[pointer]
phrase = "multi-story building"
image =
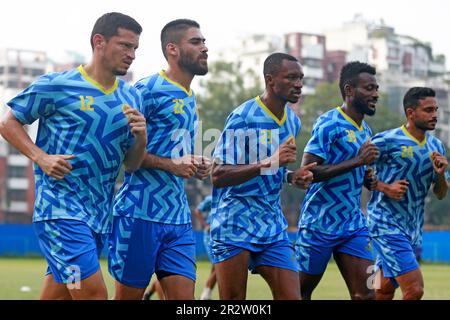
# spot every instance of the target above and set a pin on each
(18, 68)
(310, 50)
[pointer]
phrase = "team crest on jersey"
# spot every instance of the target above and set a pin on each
(351, 136)
(178, 107)
(407, 152)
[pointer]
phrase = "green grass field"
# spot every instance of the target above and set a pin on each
(17, 273)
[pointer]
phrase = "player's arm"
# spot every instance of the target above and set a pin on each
(138, 127)
(395, 190)
(182, 167)
(366, 155)
(440, 165)
(225, 175)
(55, 165)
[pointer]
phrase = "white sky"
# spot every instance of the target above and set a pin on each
(55, 26)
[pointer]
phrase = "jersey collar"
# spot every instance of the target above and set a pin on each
(269, 113)
(162, 73)
(95, 83)
(360, 128)
(406, 132)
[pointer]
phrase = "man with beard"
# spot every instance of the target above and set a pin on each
(331, 220)
(152, 230)
(411, 160)
(248, 229)
(87, 120)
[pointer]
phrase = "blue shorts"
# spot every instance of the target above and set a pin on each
(280, 254)
(138, 248)
(395, 255)
(70, 247)
(207, 244)
(314, 249)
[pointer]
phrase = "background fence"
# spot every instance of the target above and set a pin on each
(20, 240)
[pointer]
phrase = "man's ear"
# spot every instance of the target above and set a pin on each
(98, 40)
(172, 49)
(349, 91)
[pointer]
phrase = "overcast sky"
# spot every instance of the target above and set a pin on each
(56, 26)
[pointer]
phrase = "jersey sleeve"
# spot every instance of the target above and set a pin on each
(148, 102)
(232, 143)
(381, 143)
(34, 102)
(321, 139)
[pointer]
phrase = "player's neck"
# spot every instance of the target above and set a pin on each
(275, 105)
(417, 133)
(179, 76)
(356, 116)
(102, 76)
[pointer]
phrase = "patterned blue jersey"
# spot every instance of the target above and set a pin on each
(402, 157)
(157, 195)
(77, 116)
(205, 207)
(251, 212)
(334, 206)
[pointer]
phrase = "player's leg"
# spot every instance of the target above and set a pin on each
(354, 270)
(155, 286)
(72, 250)
(278, 265)
(384, 288)
(133, 246)
(411, 284)
(354, 259)
(232, 274)
(212, 279)
(400, 264)
(90, 288)
(313, 251)
(176, 287)
(175, 266)
(52, 290)
(210, 283)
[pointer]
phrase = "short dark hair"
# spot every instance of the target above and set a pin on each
(414, 94)
(272, 64)
(109, 23)
(174, 31)
(351, 71)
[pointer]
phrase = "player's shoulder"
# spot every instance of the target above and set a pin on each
(58, 78)
(435, 141)
(147, 83)
(328, 118)
(388, 135)
(246, 109)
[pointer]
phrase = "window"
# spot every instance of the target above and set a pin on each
(17, 172)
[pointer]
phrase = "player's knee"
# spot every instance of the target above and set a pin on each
(368, 295)
(413, 293)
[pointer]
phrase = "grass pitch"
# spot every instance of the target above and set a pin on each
(21, 278)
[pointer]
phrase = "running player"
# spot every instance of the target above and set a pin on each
(152, 230)
(85, 119)
(331, 220)
(411, 160)
(248, 229)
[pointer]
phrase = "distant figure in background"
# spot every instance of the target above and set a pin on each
(202, 214)
(155, 286)
(89, 124)
(411, 161)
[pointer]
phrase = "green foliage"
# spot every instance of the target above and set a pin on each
(223, 90)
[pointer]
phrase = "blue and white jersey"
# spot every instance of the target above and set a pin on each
(402, 157)
(78, 116)
(251, 212)
(333, 206)
(157, 195)
(205, 208)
